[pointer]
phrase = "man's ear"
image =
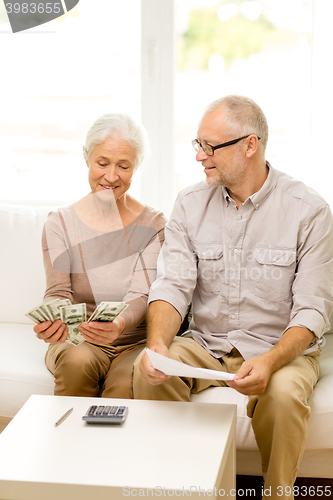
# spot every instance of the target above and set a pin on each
(252, 144)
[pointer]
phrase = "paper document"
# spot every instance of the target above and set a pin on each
(173, 367)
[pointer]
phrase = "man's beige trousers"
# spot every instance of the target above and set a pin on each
(279, 416)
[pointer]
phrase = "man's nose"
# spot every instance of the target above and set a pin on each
(201, 155)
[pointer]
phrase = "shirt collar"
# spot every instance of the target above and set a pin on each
(226, 196)
(269, 184)
(258, 197)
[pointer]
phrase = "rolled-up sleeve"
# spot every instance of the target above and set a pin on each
(313, 284)
(176, 265)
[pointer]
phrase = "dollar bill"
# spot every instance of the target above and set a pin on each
(35, 316)
(107, 311)
(51, 311)
(53, 308)
(73, 315)
(48, 311)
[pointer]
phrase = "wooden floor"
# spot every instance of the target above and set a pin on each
(251, 487)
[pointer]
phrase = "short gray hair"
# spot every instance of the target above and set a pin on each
(118, 125)
(244, 116)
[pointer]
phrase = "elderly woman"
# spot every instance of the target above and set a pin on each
(104, 247)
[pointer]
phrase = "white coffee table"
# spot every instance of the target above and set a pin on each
(161, 446)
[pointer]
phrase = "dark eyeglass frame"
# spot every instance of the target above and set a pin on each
(196, 143)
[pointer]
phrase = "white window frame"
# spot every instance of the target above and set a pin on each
(321, 167)
(158, 70)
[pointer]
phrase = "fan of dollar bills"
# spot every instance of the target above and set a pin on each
(74, 314)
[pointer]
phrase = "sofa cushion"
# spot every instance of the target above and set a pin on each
(321, 403)
(22, 368)
(21, 255)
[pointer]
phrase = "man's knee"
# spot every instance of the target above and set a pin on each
(137, 361)
(285, 396)
(180, 347)
(173, 389)
(293, 383)
(177, 350)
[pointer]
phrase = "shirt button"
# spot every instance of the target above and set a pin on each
(232, 316)
(236, 250)
(204, 254)
(234, 284)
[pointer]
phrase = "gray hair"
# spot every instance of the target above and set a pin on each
(244, 116)
(118, 125)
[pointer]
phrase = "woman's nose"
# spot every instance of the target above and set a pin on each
(111, 174)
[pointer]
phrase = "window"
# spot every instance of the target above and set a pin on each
(56, 80)
(258, 49)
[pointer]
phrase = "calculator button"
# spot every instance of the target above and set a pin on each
(92, 410)
(106, 410)
(113, 410)
(120, 411)
(99, 410)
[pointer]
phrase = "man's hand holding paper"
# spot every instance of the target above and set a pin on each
(172, 367)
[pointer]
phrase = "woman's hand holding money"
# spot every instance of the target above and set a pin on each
(102, 332)
(52, 333)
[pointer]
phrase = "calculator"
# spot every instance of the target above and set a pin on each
(114, 415)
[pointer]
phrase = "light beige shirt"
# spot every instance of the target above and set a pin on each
(85, 265)
(250, 273)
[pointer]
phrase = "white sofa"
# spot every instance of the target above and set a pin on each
(23, 372)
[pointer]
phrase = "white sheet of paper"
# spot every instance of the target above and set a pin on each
(173, 367)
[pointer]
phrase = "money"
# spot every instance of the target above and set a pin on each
(53, 308)
(36, 316)
(75, 314)
(51, 311)
(47, 312)
(107, 311)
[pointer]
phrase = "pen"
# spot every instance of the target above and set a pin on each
(61, 419)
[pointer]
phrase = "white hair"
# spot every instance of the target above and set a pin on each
(121, 126)
(244, 116)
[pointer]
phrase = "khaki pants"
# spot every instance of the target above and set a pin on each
(91, 371)
(279, 416)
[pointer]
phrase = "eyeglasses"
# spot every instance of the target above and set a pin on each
(209, 150)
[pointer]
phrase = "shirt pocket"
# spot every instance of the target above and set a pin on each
(210, 267)
(275, 272)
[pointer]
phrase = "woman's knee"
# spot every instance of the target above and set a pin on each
(83, 358)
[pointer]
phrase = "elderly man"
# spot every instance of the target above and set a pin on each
(252, 249)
